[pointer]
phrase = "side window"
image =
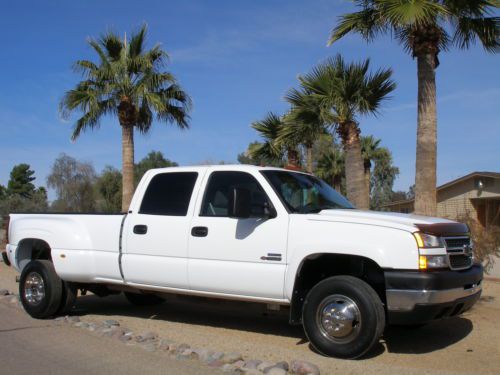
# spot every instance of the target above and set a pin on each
(169, 194)
(220, 184)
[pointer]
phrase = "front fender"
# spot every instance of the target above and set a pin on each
(388, 247)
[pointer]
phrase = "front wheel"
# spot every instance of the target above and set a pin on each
(40, 289)
(343, 317)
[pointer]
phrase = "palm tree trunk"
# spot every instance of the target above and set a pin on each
(425, 173)
(336, 183)
(354, 166)
(127, 166)
(309, 151)
(292, 159)
(367, 176)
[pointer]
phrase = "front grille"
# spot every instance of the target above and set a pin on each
(459, 252)
(460, 261)
(453, 243)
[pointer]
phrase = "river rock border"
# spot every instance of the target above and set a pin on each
(232, 362)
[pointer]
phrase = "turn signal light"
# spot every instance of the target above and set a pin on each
(422, 262)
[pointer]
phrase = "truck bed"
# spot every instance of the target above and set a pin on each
(83, 245)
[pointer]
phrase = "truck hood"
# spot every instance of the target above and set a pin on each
(387, 219)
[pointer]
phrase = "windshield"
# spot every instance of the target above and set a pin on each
(303, 193)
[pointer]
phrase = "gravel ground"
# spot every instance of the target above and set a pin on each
(469, 344)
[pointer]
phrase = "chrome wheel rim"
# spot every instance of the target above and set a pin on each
(34, 288)
(338, 318)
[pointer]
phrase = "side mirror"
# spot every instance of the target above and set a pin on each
(240, 203)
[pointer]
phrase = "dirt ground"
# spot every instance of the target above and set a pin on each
(469, 344)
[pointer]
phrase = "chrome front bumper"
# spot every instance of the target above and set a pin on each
(407, 299)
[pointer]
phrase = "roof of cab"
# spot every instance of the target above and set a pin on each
(220, 167)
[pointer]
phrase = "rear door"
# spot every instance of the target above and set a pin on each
(157, 234)
(245, 257)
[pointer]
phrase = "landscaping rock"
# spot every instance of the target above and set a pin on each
(215, 363)
(172, 348)
(276, 371)
(215, 357)
(126, 337)
(253, 371)
(81, 325)
(165, 344)
(106, 332)
(304, 368)
(4, 292)
(146, 336)
(187, 354)
(239, 364)
(182, 347)
(252, 363)
(231, 357)
(204, 354)
(263, 365)
(283, 365)
(73, 319)
(228, 368)
(111, 323)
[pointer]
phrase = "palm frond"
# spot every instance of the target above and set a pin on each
(112, 44)
(411, 12)
(137, 41)
(366, 22)
(91, 118)
(486, 29)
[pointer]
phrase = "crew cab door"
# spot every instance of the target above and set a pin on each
(245, 257)
(156, 247)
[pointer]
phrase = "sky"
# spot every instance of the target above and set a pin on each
(236, 59)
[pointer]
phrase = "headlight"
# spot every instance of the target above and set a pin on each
(432, 261)
(427, 240)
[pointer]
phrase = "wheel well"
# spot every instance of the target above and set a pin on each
(30, 249)
(318, 267)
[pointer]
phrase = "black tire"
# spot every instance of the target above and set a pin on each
(37, 304)
(68, 299)
(139, 299)
(5, 258)
(354, 300)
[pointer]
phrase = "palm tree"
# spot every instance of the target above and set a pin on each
(128, 82)
(346, 91)
(370, 151)
(304, 123)
(274, 148)
(425, 28)
(331, 167)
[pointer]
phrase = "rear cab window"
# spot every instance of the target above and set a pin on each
(169, 194)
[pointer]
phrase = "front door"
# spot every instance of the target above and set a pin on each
(244, 257)
(156, 248)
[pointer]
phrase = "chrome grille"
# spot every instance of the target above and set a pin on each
(456, 243)
(459, 252)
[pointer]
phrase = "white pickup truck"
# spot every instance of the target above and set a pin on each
(255, 234)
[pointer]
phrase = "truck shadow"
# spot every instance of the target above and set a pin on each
(429, 338)
(253, 317)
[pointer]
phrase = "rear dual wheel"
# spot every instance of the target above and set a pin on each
(43, 294)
